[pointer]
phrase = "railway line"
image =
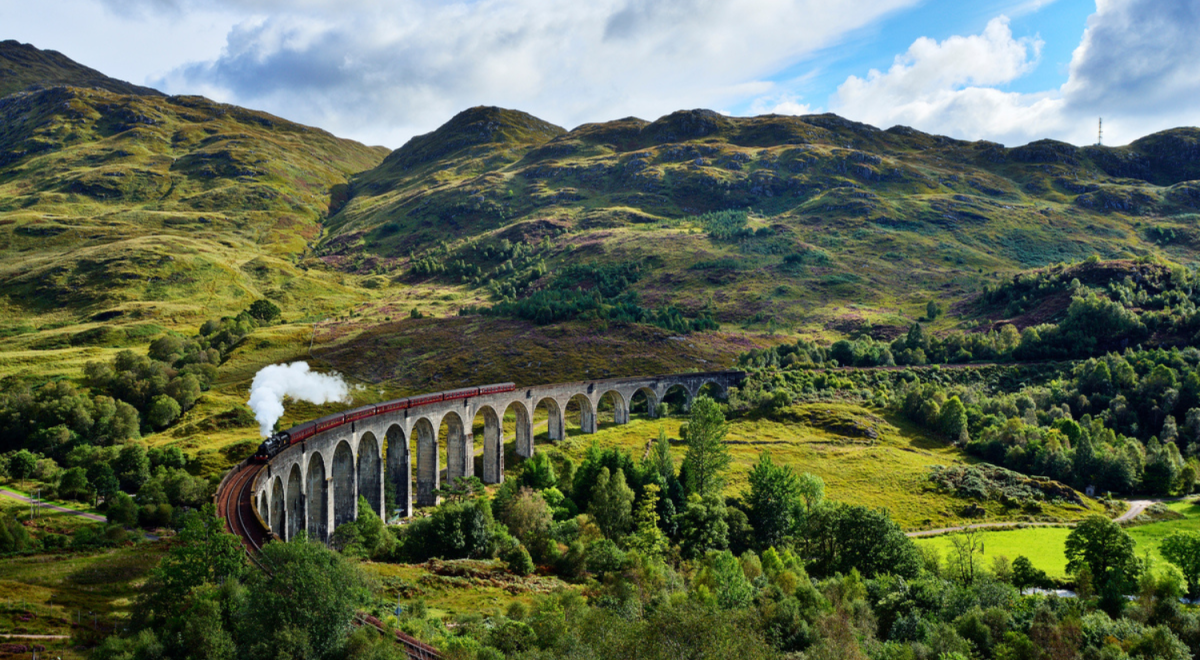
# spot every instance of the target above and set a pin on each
(234, 500)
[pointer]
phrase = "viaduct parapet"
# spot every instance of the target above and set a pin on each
(314, 485)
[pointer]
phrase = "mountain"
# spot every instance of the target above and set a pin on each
(845, 224)
(124, 209)
(117, 204)
(23, 65)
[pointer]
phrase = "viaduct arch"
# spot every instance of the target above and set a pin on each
(314, 485)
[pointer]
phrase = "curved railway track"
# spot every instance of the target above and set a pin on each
(235, 503)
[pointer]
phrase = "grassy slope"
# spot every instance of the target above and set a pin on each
(891, 472)
(902, 216)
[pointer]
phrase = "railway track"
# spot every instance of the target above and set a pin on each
(235, 503)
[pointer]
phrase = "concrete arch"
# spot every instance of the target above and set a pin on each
(649, 397)
(399, 467)
(681, 388)
(370, 472)
(493, 445)
(345, 486)
(277, 521)
(317, 500)
(620, 406)
(523, 432)
(264, 509)
(587, 412)
(556, 427)
(428, 470)
(294, 503)
(722, 392)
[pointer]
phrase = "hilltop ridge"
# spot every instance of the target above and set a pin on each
(23, 65)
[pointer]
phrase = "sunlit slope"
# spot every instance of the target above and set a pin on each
(111, 202)
(844, 214)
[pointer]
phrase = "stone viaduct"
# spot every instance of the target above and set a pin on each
(314, 485)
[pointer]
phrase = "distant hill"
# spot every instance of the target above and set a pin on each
(23, 65)
(836, 212)
(118, 204)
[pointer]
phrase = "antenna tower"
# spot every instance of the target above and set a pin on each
(1100, 133)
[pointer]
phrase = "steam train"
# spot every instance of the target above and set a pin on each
(284, 439)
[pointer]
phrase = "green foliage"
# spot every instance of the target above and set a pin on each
(305, 587)
(455, 530)
(1183, 550)
(839, 538)
(774, 502)
(1107, 552)
(264, 311)
(707, 454)
(612, 503)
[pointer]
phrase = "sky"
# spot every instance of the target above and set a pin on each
(382, 71)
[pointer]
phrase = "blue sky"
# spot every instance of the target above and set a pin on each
(1058, 24)
(382, 71)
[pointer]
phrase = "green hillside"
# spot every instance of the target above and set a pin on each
(843, 222)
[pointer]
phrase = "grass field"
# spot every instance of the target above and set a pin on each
(1044, 545)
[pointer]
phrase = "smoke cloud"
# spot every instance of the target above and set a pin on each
(273, 383)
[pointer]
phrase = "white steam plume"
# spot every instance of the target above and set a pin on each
(294, 380)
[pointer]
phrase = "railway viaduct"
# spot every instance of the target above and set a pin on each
(314, 485)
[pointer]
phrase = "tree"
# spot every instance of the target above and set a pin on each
(22, 464)
(953, 420)
(612, 503)
(724, 578)
(1024, 575)
(103, 479)
(812, 489)
(264, 310)
(702, 526)
(1100, 545)
(122, 510)
(932, 310)
(707, 454)
(1183, 550)
(73, 484)
(966, 545)
(163, 410)
(204, 554)
(132, 466)
(647, 538)
(306, 587)
(773, 501)
(840, 537)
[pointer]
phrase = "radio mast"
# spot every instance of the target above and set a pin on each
(1100, 133)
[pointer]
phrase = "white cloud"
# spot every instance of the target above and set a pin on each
(385, 71)
(1135, 66)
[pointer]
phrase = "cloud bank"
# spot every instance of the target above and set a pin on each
(390, 69)
(1135, 66)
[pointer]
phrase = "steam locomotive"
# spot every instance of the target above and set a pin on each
(284, 439)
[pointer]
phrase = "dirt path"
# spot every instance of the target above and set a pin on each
(963, 528)
(53, 507)
(5, 636)
(1136, 507)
